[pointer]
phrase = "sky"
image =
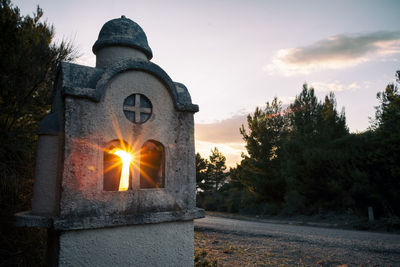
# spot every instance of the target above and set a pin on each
(234, 56)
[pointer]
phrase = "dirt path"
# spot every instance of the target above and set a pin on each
(242, 243)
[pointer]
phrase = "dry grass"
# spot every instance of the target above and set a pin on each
(238, 251)
(226, 249)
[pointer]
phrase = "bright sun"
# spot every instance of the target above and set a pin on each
(126, 159)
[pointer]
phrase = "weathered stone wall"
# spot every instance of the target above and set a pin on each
(91, 126)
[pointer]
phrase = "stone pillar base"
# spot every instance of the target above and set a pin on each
(162, 244)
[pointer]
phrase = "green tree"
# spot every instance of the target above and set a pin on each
(387, 134)
(259, 171)
(387, 113)
(216, 169)
(306, 158)
(314, 122)
(332, 124)
(305, 115)
(29, 58)
(210, 182)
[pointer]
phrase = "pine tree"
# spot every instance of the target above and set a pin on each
(216, 169)
(29, 59)
(307, 161)
(387, 135)
(259, 171)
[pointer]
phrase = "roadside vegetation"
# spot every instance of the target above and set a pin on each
(302, 160)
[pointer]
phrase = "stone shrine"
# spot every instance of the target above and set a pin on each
(115, 170)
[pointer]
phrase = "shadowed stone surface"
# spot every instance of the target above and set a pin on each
(142, 245)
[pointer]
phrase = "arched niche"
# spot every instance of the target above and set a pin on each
(117, 166)
(152, 165)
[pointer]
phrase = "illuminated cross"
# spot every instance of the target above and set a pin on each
(140, 105)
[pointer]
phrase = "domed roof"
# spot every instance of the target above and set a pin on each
(123, 32)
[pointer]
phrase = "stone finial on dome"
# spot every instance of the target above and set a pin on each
(123, 32)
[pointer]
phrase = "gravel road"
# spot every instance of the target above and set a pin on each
(265, 244)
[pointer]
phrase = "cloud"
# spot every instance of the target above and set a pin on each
(224, 131)
(336, 52)
(335, 86)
